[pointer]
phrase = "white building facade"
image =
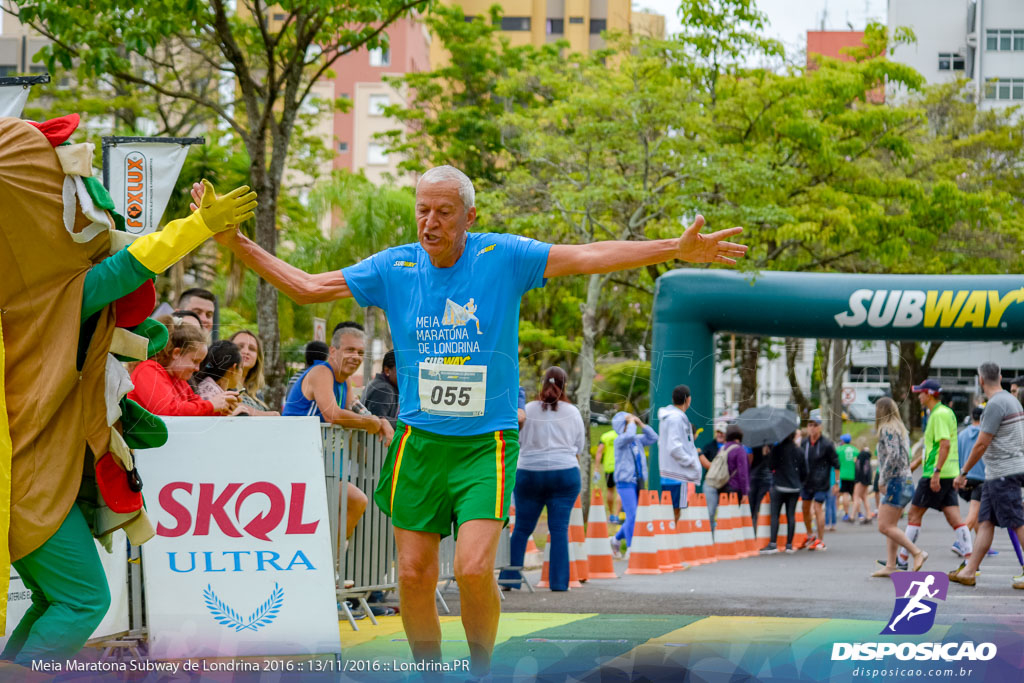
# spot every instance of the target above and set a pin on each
(981, 40)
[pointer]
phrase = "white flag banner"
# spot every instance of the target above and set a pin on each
(140, 174)
(14, 93)
(12, 100)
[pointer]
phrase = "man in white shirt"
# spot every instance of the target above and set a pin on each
(677, 454)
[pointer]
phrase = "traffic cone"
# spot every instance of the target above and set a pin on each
(686, 532)
(764, 522)
(800, 537)
(675, 545)
(578, 541)
(574, 572)
(722, 537)
(665, 559)
(705, 539)
(749, 543)
(600, 564)
(511, 518)
(543, 583)
(732, 544)
(783, 528)
(643, 552)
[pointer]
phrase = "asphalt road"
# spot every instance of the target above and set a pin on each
(831, 584)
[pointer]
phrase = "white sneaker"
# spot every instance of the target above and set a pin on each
(1018, 581)
(616, 547)
(958, 549)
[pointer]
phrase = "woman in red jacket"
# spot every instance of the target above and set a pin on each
(161, 383)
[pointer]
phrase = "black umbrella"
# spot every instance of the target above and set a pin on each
(766, 424)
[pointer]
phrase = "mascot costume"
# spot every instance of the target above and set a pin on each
(74, 289)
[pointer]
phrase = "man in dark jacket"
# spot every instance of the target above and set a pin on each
(381, 395)
(820, 458)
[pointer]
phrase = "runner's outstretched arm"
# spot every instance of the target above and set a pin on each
(610, 256)
(295, 283)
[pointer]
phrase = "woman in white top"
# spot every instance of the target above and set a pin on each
(548, 475)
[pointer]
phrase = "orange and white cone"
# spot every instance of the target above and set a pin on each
(702, 525)
(764, 522)
(600, 563)
(578, 541)
(747, 525)
(675, 545)
(574, 572)
(727, 523)
(661, 531)
(543, 583)
(800, 537)
(686, 532)
(643, 551)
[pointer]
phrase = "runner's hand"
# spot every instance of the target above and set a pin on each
(697, 248)
(935, 484)
(960, 482)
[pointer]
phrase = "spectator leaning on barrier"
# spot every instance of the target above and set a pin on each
(677, 454)
(789, 470)
(632, 437)
(381, 395)
(1001, 443)
(161, 383)
(819, 457)
(323, 389)
(202, 302)
(970, 492)
(548, 475)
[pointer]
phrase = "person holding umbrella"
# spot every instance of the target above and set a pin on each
(763, 426)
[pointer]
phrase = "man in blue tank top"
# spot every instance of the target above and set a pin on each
(452, 302)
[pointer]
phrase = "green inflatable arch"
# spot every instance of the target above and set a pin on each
(691, 305)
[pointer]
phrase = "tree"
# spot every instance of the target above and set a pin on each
(272, 64)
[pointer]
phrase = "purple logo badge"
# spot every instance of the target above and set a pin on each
(914, 612)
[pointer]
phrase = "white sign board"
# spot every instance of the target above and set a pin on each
(241, 563)
(142, 177)
(12, 103)
(319, 329)
(115, 566)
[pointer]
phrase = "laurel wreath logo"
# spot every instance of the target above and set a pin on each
(226, 616)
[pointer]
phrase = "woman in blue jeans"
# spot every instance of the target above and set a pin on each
(548, 475)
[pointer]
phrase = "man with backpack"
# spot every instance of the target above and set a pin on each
(820, 458)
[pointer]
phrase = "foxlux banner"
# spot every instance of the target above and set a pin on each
(241, 563)
(140, 174)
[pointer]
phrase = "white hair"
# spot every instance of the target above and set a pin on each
(346, 332)
(440, 174)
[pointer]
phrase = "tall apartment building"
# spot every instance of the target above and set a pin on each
(536, 22)
(981, 40)
(360, 79)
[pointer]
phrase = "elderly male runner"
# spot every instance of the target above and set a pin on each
(453, 459)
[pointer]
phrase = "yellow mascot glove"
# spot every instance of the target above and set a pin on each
(233, 208)
(158, 251)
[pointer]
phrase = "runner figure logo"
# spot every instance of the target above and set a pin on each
(914, 612)
(456, 315)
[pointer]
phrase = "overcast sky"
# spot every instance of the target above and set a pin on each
(789, 20)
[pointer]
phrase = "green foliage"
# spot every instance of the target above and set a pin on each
(625, 385)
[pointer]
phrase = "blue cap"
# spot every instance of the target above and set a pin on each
(929, 386)
(815, 416)
(846, 438)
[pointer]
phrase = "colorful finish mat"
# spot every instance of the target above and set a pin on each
(619, 647)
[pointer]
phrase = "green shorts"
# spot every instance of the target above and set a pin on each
(432, 482)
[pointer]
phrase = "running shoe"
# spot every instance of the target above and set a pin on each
(616, 547)
(817, 545)
(846, 518)
(612, 519)
(807, 543)
(902, 566)
(770, 549)
(992, 551)
(958, 549)
(1018, 581)
(789, 549)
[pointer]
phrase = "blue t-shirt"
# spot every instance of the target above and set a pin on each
(297, 404)
(464, 315)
